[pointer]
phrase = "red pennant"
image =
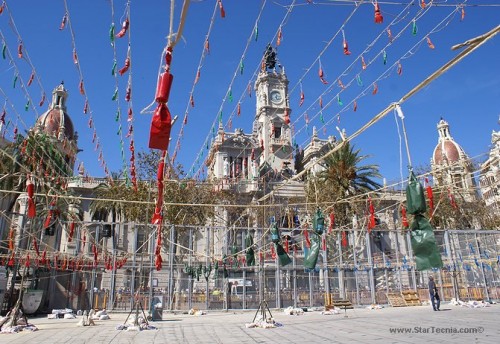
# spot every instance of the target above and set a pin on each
(429, 43)
(238, 109)
(42, 100)
(124, 29)
(191, 100)
(363, 64)
(280, 36)
(20, 50)
(371, 210)
(125, 68)
(221, 7)
(321, 76)
(430, 196)
(157, 216)
(378, 15)
(35, 246)
(32, 77)
(404, 220)
(452, 200)
(71, 231)
(273, 252)
(287, 117)
(355, 106)
(63, 22)
(30, 188)
(344, 239)
(302, 98)
(81, 88)
(346, 48)
(198, 74)
(375, 89)
(332, 222)
(400, 69)
(306, 238)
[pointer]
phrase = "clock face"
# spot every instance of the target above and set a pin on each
(276, 97)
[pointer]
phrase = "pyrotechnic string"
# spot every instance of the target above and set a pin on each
(87, 109)
(357, 77)
(191, 102)
(470, 48)
(17, 76)
(23, 51)
(389, 70)
(237, 109)
(126, 68)
(228, 94)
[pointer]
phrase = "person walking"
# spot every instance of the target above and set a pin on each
(433, 292)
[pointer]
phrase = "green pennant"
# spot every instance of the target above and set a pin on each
(256, 33)
(242, 67)
(220, 118)
(4, 51)
(27, 106)
(119, 132)
(15, 81)
(113, 70)
(321, 117)
(230, 95)
(112, 33)
(385, 57)
(283, 257)
(117, 116)
(115, 95)
(414, 28)
(250, 255)
(358, 80)
(339, 101)
(312, 258)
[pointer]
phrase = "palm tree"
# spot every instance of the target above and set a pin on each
(343, 176)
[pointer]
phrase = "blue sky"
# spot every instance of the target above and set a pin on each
(468, 96)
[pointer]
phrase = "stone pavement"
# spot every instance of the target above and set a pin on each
(419, 323)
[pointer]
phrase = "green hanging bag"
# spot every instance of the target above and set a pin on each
(415, 198)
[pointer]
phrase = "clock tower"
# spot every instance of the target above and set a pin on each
(272, 119)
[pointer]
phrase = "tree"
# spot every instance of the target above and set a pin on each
(343, 176)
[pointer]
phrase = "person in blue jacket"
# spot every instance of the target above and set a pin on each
(433, 292)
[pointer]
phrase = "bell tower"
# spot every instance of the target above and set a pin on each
(272, 128)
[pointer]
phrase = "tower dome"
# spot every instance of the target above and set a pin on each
(446, 150)
(451, 167)
(55, 122)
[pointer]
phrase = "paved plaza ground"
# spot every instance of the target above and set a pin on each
(418, 324)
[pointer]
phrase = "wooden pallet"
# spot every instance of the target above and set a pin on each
(396, 300)
(411, 298)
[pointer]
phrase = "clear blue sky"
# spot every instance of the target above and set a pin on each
(468, 96)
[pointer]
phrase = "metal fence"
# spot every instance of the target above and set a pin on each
(363, 270)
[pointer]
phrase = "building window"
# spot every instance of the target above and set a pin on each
(277, 132)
